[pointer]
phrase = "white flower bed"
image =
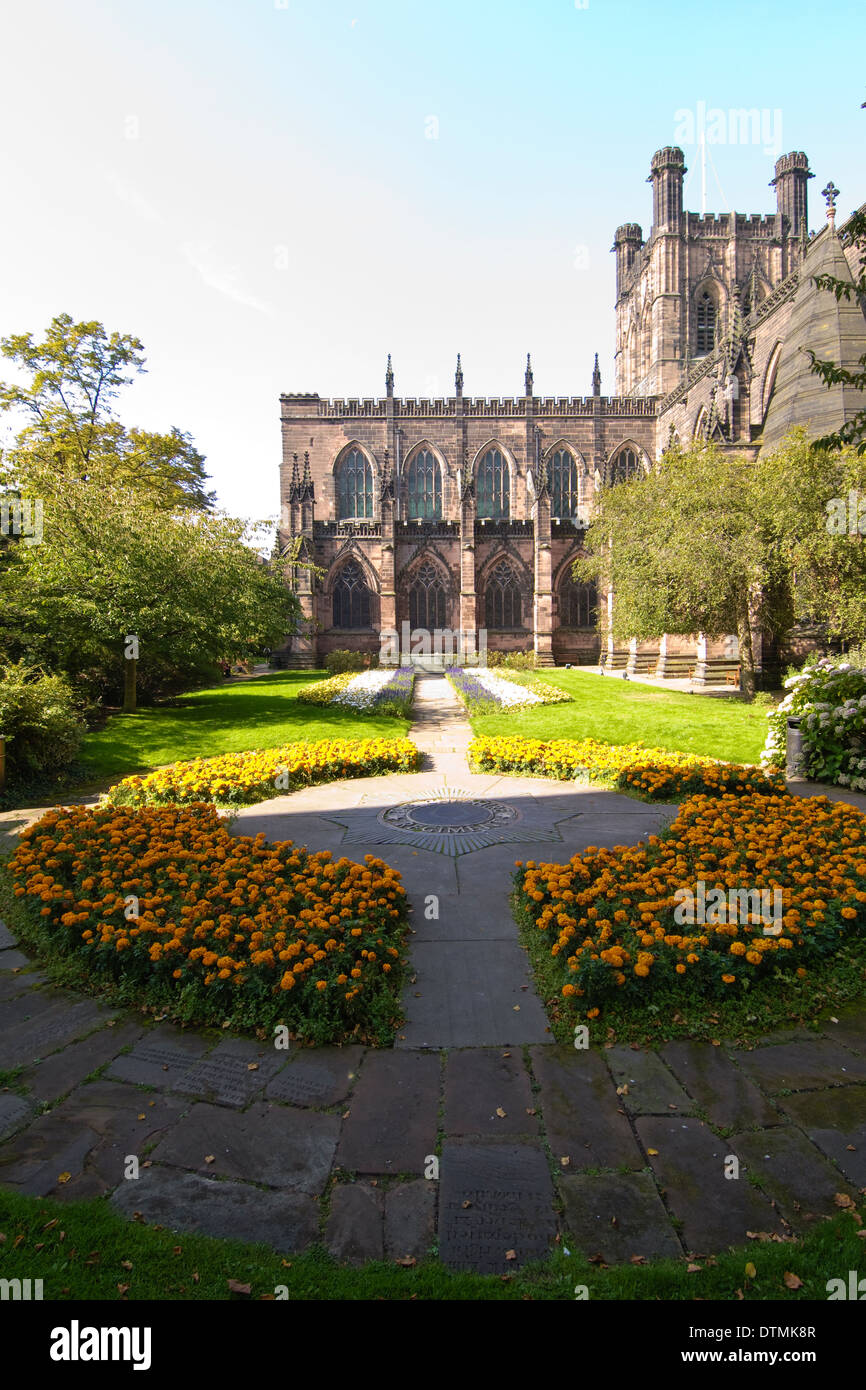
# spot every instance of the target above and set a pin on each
(362, 690)
(506, 692)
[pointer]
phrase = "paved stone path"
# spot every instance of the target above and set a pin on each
(476, 1135)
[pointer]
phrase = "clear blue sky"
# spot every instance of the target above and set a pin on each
(252, 187)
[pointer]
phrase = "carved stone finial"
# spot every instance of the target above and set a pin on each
(528, 378)
(458, 377)
(831, 193)
(389, 377)
(596, 378)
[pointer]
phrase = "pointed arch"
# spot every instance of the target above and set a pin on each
(353, 484)
(493, 471)
(708, 303)
(422, 471)
(769, 382)
(627, 461)
(505, 608)
(352, 595)
(428, 593)
(565, 468)
(701, 422)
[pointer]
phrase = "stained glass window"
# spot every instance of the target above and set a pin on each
(351, 597)
(492, 486)
(354, 487)
(424, 486)
(502, 601)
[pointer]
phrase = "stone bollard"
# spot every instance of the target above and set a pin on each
(794, 749)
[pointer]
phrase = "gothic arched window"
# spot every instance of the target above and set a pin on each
(427, 598)
(354, 487)
(562, 477)
(424, 487)
(502, 603)
(624, 466)
(492, 486)
(351, 597)
(706, 323)
(578, 604)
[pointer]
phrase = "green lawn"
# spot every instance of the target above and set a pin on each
(617, 711)
(259, 713)
(85, 1250)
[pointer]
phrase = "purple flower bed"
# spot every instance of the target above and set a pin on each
(398, 691)
(477, 697)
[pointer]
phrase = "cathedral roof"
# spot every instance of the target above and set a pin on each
(835, 331)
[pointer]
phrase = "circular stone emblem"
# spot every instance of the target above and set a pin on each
(449, 816)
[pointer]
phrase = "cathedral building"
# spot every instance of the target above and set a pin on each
(466, 513)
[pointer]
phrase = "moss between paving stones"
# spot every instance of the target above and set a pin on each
(84, 1250)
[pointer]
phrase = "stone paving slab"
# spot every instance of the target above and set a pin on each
(7, 940)
(801, 1066)
(355, 1230)
(835, 1121)
(392, 1122)
(13, 983)
(469, 994)
(488, 1091)
(162, 1058)
(232, 1074)
(68, 1068)
(410, 1219)
(88, 1138)
(728, 1097)
(12, 959)
(186, 1202)
(494, 1199)
(14, 1110)
(583, 1117)
(652, 1088)
(319, 1077)
(267, 1144)
(688, 1161)
(850, 1030)
(52, 1027)
(471, 915)
(617, 1216)
(792, 1172)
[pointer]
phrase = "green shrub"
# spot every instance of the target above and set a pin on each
(41, 721)
(336, 663)
(514, 661)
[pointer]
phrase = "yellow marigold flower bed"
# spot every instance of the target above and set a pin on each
(168, 903)
(620, 925)
(239, 779)
(653, 773)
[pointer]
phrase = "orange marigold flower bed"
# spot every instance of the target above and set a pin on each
(654, 774)
(738, 890)
(240, 779)
(164, 901)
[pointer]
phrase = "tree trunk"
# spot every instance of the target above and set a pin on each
(129, 685)
(747, 654)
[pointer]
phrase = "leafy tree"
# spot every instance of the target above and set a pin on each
(688, 548)
(71, 431)
(114, 566)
